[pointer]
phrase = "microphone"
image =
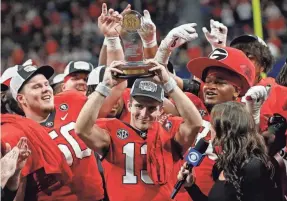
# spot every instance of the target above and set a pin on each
(193, 159)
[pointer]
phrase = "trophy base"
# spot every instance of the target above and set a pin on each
(135, 69)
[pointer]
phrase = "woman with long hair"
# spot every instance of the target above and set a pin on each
(242, 171)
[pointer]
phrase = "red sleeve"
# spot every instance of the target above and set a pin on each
(11, 135)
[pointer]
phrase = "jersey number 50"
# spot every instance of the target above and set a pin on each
(79, 153)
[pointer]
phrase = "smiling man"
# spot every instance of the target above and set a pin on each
(228, 74)
(31, 89)
(76, 76)
(140, 156)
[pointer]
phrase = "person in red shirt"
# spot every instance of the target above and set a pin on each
(227, 74)
(142, 154)
(30, 88)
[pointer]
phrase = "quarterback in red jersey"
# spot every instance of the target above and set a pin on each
(142, 154)
(227, 74)
(30, 88)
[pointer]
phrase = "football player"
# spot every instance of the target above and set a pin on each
(227, 74)
(142, 154)
(30, 88)
(76, 75)
(57, 83)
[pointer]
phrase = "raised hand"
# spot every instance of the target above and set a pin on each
(175, 38)
(109, 78)
(161, 73)
(254, 99)
(179, 35)
(217, 36)
(24, 153)
(147, 31)
(110, 22)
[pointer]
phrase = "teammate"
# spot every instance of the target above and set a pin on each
(227, 74)
(142, 154)
(76, 75)
(57, 83)
(258, 52)
(30, 88)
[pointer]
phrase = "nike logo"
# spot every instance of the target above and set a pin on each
(64, 117)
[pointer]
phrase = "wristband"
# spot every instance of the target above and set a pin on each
(162, 55)
(103, 89)
(105, 41)
(113, 43)
(169, 85)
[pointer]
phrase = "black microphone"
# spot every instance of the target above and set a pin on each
(193, 159)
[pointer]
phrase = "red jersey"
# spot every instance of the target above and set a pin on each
(203, 172)
(87, 182)
(126, 115)
(46, 168)
(129, 175)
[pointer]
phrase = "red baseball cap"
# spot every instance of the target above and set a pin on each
(228, 58)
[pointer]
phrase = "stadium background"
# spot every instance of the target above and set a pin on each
(56, 32)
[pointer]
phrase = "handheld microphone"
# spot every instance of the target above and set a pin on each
(193, 159)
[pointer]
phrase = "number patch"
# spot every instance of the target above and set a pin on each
(65, 132)
(130, 177)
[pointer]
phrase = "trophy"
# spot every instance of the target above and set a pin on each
(133, 49)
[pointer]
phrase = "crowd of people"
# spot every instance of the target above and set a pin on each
(56, 32)
(119, 132)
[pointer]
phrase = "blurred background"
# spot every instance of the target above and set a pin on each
(55, 32)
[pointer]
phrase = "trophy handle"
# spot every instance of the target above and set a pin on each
(136, 69)
(123, 76)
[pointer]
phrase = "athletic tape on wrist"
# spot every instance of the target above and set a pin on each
(103, 89)
(113, 43)
(170, 85)
(105, 41)
(162, 56)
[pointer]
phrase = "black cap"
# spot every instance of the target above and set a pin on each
(148, 88)
(247, 38)
(25, 73)
(78, 66)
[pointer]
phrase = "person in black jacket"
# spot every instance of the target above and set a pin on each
(243, 171)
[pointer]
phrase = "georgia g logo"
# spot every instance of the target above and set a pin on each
(218, 54)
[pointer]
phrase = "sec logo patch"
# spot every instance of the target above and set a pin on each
(122, 134)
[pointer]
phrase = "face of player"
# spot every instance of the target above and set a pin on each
(37, 95)
(218, 90)
(258, 68)
(144, 111)
(77, 81)
(117, 108)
